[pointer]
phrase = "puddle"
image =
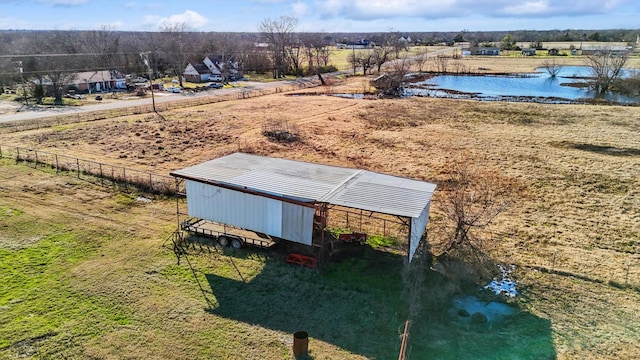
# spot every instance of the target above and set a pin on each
(471, 309)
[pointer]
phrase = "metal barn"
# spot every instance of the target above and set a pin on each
(290, 199)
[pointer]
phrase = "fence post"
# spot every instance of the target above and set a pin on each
(78, 167)
(35, 165)
(0, 152)
(57, 168)
(17, 154)
(101, 177)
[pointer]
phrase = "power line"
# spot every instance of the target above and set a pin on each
(158, 53)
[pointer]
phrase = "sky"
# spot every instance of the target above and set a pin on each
(322, 16)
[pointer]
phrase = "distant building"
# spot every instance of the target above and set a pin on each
(614, 50)
(359, 44)
(98, 81)
(485, 51)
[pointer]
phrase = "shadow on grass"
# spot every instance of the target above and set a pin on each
(521, 336)
(356, 305)
(599, 149)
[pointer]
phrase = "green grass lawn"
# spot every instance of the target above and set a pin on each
(86, 275)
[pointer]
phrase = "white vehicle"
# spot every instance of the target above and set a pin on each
(215, 77)
(173, 89)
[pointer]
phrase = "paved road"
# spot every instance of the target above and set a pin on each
(41, 111)
(160, 97)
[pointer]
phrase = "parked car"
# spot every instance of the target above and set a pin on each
(173, 89)
(215, 77)
(215, 86)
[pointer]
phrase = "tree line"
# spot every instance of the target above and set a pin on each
(276, 48)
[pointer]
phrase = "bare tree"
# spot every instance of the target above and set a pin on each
(54, 62)
(420, 61)
(442, 63)
(316, 50)
(280, 37)
(473, 198)
(393, 83)
(363, 59)
(552, 67)
(382, 52)
(606, 67)
(176, 47)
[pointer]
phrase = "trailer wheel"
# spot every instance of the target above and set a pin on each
(236, 243)
(223, 241)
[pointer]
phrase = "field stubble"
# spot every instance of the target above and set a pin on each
(575, 215)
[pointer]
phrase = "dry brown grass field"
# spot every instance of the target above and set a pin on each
(573, 229)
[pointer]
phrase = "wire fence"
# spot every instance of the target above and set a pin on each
(105, 175)
(240, 93)
(621, 270)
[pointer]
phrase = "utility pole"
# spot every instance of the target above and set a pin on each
(24, 85)
(145, 58)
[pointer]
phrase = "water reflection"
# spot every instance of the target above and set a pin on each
(524, 87)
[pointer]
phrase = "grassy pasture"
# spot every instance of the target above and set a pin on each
(573, 231)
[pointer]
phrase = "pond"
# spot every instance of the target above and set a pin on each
(538, 87)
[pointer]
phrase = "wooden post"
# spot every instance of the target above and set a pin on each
(178, 202)
(57, 167)
(18, 154)
(403, 344)
(384, 227)
(35, 165)
(101, 177)
(78, 167)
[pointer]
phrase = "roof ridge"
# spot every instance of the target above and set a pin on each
(340, 186)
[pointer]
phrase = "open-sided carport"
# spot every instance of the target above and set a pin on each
(290, 199)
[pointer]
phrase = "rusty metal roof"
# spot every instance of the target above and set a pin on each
(309, 182)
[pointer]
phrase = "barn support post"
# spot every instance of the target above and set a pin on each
(384, 227)
(178, 202)
(409, 242)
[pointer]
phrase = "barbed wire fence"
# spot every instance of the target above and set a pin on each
(103, 174)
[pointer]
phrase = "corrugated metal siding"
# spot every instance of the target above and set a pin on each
(313, 182)
(418, 226)
(285, 220)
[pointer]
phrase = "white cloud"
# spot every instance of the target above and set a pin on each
(64, 2)
(528, 8)
(189, 18)
(299, 9)
(13, 24)
(439, 9)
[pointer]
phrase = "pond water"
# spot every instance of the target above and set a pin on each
(537, 87)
